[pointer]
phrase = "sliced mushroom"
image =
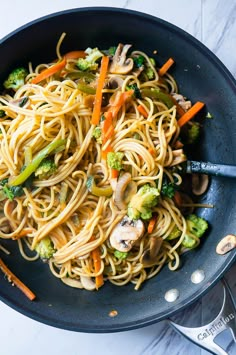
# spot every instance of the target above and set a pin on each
(115, 82)
(199, 183)
(125, 188)
(120, 64)
(87, 283)
(226, 244)
(186, 105)
(126, 233)
(178, 157)
(149, 256)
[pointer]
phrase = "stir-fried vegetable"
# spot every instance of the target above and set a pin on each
(17, 282)
(46, 73)
(166, 66)
(142, 202)
(196, 227)
(45, 248)
(45, 169)
(98, 97)
(16, 79)
(190, 113)
(156, 94)
(114, 160)
(30, 169)
(96, 190)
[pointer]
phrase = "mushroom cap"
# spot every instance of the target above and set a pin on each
(226, 244)
(124, 190)
(126, 233)
(199, 183)
(119, 64)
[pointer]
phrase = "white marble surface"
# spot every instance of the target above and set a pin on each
(214, 23)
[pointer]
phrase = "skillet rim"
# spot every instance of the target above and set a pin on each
(27, 309)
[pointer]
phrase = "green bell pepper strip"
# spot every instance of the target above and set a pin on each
(30, 169)
(96, 190)
(87, 89)
(156, 94)
(86, 76)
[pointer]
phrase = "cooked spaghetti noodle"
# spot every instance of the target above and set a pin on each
(61, 206)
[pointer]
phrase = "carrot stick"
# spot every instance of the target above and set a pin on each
(166, 66)
(107, 127)
(114, 173)
(98, 97)
(75, 55)
(152, 223)
(97, 266)
(105, 151)
(49, 71)
(121, 98)
(142, 110)
(190, 113)
(14, 279)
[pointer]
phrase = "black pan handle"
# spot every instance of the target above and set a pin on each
(211, 168)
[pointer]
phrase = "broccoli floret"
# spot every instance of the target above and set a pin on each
(175, 233)
(193, 133)
(89, 62)
(168, 188)
(140, 205)
(45, 248)
(114, 160)
(120, 254)
(16, 79)
(97, 134)
(150, 73)
(139, 61)
(196, 226)
(46, 168)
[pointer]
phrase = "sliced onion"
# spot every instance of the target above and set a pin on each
(125, 188)
(71, 282)
(87, 283)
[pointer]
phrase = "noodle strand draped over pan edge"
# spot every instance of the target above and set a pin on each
(57, 109)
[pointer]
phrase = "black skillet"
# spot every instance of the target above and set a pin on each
(201, 76)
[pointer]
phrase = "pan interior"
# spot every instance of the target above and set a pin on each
(201, 77)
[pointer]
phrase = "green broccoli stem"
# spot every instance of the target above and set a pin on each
(156, 94)
(30, 169)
